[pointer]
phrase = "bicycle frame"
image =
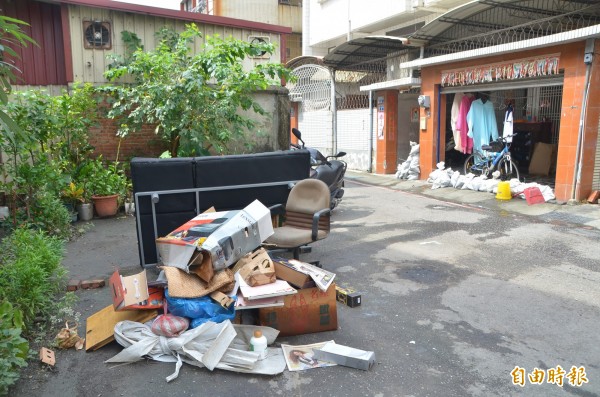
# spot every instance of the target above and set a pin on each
(495, 159)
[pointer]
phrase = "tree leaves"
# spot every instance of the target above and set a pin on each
(194, 98)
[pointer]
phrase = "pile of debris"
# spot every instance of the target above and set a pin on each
(221, 300)
(447, 177)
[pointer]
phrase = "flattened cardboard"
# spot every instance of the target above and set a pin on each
(257, 268)
(541, 159)
(100, 326)
(224, 237)
(310, 310)
(128, 290)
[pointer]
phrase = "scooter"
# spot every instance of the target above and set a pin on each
(329, 171)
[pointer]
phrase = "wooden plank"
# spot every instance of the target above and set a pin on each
(100, 326)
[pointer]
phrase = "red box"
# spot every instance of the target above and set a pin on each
(533, 195)
(310, 310)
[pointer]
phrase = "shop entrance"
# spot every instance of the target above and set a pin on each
(536, 113)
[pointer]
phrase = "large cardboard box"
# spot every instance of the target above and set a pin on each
(310, 310)
(541, 159)
(221, 237)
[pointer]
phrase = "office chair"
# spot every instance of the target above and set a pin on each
(306, 217)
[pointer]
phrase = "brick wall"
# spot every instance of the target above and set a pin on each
(144, 143)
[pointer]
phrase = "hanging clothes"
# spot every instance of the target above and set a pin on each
(461, 123)
(454, 112)
(507, 129)
(482, 123)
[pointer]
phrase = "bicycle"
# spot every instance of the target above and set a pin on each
(495, 156)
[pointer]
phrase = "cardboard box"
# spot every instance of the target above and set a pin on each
(222, 237)
(348, 296)
(541, 159)
(346, 356)
(129, 290)
(310, 310)
(256, 268)
(286, 270)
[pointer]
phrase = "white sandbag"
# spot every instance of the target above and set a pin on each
(209, 345)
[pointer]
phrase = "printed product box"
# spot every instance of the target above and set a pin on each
(221, 237)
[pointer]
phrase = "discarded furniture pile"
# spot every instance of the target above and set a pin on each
(222, 298)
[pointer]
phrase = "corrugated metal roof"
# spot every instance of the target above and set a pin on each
(482, 23)
(354, 54)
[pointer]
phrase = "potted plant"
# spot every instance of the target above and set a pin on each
(85, 208)
(106, 184)
(72, 195)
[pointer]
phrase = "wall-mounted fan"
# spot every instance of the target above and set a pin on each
(96, 35)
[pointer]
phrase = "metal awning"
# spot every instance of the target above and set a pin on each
(360, 54)
(406, 83)
(482, 23)
(304, 60)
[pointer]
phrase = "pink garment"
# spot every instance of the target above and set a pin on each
(462, 126)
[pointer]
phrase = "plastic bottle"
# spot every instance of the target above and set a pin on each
(258, 343)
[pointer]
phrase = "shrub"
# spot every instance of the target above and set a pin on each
(13, 348)
(31, 273)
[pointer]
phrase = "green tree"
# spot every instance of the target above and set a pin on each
(196, 100)
(10, 36)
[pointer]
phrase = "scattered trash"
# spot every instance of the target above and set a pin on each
(47, 356)
(258, 343)
(214, 271)
(211, 345)
(92, 284)
(348, 296)
(68, 337)
(169, 325)
(346, 356)
(300, 358)
(410, 169)
(442, 177)
(100, 326)
(593, 197)
(533, 195)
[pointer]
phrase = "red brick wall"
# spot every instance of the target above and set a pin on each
(144, 143)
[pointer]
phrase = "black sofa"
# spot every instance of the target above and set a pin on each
(235, 171)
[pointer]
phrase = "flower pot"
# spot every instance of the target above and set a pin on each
(129, 208)
(86, 211)
(74, 217)
(106, 205)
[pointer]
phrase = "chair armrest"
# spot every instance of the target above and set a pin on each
(277, 209)
(315, 223)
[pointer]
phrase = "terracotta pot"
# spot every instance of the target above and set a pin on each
(106, 205)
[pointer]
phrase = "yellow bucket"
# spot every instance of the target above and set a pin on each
(503, 191)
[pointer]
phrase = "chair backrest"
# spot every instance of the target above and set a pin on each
(307, 197)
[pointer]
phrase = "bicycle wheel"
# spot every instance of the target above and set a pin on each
(474, 164)
(508, 170)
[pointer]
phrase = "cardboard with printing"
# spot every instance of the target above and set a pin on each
(285, 269)
(132, 292)
(348, 296)
(257, 268)
(221, 237)
(310, 310)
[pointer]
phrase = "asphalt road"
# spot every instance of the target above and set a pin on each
(454, 298)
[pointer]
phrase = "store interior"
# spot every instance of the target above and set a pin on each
(536, 115)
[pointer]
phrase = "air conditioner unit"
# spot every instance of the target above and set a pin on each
(257, 40)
